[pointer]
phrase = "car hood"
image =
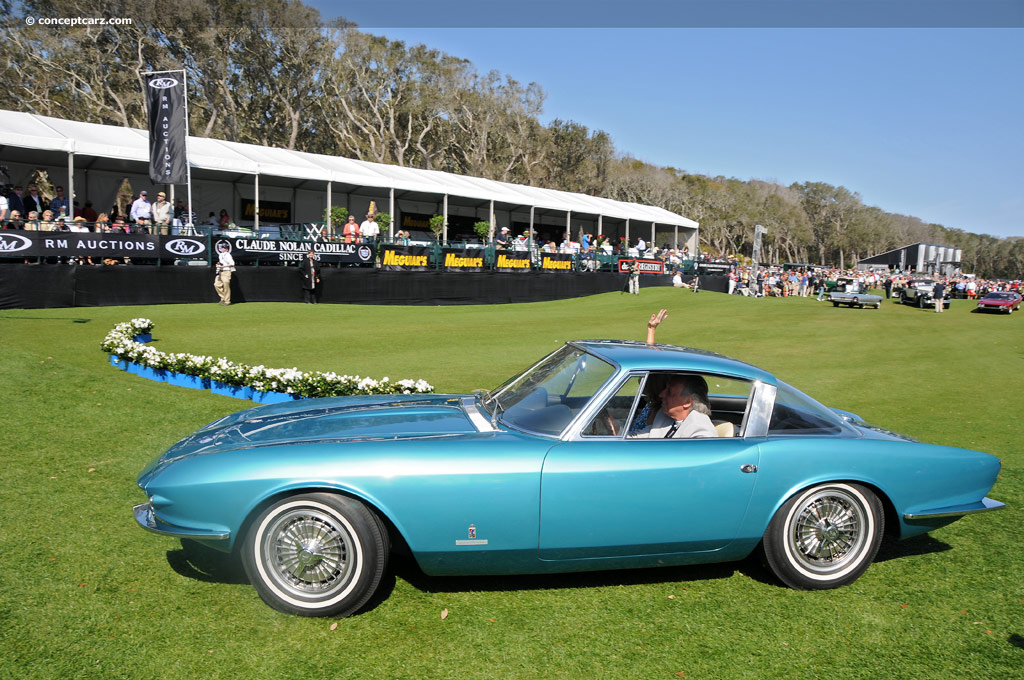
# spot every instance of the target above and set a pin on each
(332, 419)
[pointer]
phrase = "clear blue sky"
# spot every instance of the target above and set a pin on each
(923, 122)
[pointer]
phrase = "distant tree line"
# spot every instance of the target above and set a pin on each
(271, 72)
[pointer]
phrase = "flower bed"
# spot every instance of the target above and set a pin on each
(122, 343)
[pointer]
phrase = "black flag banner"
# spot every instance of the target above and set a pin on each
(165, 97)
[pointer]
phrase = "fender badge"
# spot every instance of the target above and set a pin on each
(472, 540)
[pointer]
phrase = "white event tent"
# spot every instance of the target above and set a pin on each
(93, 159)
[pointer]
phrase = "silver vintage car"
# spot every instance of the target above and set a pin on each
(849, 292)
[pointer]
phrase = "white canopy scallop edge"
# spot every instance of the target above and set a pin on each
(31, 131)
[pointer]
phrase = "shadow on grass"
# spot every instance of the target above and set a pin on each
(406, 568)
(924, 544)
(43, 318)
(201, 563)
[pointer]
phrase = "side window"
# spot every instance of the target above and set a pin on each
(796, 413)
(612, 418)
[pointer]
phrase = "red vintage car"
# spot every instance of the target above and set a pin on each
(1000, 301)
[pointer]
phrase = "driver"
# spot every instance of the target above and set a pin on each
(684, 411)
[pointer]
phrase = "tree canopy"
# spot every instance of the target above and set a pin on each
(271, 72)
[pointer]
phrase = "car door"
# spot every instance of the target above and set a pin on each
(613, 496)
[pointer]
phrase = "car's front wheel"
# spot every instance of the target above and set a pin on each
(825, 536)
(316, 555)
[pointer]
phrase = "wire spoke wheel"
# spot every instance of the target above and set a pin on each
(824, 536)
(316, 554)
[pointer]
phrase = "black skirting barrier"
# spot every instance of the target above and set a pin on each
(40, 286)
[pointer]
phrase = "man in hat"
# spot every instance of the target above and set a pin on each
(369, 229)
(225, 267)
(141, 208)
(501, 240)
(161, 211)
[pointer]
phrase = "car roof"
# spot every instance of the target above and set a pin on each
(633, 355)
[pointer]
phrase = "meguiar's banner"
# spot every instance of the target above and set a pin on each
(405, 258)
(512, 261)
(462, 260)
(555, 262)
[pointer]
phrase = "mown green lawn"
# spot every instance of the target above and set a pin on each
(85, 593)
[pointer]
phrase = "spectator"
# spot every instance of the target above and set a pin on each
(369, 230)
(15, 222)
(46, 222)
(141, 209)
(16, 202)
(89, 213)
(59, 205)
(161, 212)
(212, 220)
(33, 202)
(32, 222)
(5, 206)
(351, 230)
(501, 240)
(225, 267)
(224, 221)
(939, 293)
(310, 270)
(103, 223)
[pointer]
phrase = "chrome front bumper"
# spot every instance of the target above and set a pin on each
(147, 519)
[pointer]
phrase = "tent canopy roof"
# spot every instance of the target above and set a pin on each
(34, 132)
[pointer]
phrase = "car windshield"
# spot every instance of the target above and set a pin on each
(998, 296)
(546, 397)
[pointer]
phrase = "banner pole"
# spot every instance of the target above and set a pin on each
(188, 166)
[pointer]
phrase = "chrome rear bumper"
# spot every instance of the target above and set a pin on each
(984, 505)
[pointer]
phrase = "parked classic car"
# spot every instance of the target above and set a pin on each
(999, 301)
(849, 292)
(542, 475)
(919, 292)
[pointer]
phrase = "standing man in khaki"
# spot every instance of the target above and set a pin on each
(225, 267)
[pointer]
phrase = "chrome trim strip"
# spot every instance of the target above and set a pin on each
(148, 520)
(480, 422)
(970, 509)
(759, 411)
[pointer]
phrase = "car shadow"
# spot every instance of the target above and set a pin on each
(201, 563)
(405, 567)
(925, 544)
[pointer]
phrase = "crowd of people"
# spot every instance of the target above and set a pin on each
(774, 282)
(30, 210)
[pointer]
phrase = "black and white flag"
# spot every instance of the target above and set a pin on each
(165, 97)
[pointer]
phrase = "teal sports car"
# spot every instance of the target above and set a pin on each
(545, 474)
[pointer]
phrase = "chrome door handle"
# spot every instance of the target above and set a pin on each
(748, 468)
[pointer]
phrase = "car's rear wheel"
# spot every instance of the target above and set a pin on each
(316, 555)
(825, 536)
(835, 304)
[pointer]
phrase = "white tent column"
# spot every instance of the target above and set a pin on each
(329, 206)
(391, 211)
(675, 238)
(651, 243)
(444, 225)
(568, 225)
(529, 234)
(627, 233)
(490, 218)
(256, 205)
(70, 193)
